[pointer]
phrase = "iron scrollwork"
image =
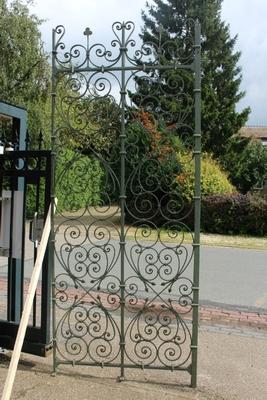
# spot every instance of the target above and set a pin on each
(123, 287)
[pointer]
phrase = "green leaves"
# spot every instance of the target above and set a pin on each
(246, 160)
(24, 70)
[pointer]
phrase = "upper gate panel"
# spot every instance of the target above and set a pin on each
(97, 56)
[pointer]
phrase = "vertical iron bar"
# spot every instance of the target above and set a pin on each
(1, 191)
(37, 201)
(197, 202)
(52, 234)
(46, 273)
(12, 297)
(122, 198)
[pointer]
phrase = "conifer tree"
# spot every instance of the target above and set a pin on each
(221, 74)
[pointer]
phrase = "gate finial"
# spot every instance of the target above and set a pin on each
(87, 32)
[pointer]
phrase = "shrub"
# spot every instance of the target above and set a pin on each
(151, 168)
(246, 161)
(234, 214)
(213, 179)
(78, 181)
(31, 195)
(160, 174)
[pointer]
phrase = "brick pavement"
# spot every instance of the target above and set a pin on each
(209, 315)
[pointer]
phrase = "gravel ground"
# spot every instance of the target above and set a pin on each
(231, 366)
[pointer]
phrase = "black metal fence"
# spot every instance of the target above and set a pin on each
(25, 187)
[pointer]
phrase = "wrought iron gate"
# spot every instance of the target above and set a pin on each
(126, 273)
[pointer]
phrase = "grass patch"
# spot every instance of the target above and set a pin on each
(206, 239)
(245, 242)
(152, 235)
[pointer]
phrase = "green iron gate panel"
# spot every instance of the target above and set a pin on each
(126, 138)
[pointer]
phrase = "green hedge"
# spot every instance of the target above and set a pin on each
(78, 181)
(234, 214)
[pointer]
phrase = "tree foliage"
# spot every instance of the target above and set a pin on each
(88, 124)
(246, 161)
(160, 173)
(221, 75)
(24, 69)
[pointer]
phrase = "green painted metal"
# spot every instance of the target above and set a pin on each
(197, 200)
(53, 196)
(123, 50)
(118, 299)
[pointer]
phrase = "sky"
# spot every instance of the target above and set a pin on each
(246, 18)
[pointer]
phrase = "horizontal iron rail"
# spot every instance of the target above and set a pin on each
(143, 67)
(118, 365)
(25, 154)
(20, 173)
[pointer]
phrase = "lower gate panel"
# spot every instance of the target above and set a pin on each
(123, 293)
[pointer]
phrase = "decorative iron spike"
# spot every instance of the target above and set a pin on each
(16, 140)
(27, 139)
(87, 33)
(40, 140)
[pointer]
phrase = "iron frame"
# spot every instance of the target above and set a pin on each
(66, 68)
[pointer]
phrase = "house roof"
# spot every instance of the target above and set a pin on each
(258, 132)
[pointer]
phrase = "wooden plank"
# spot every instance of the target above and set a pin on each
(27, 309)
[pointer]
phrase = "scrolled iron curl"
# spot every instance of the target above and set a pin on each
(74, 52)
(80, 323)
(145, 50)
(113, 300)
(75, 235)
(95, 328)
(158, 51)
(145, 351)
(104, 349)
(131, 288)
(150, 273)
(144, 205)
(185, 289)
(102, 352)
(80, 255)
(169, 352)
(76, 347)
(61, 297)
(185, 301)
(141, 82)
(113, 287)
(165, 320)
(161, 332)
(151, 258)
(101, 85)
(80, 329)
(100, 233)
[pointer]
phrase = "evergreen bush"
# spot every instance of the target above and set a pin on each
(213, 179)
(78, 181)
(234, 214)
